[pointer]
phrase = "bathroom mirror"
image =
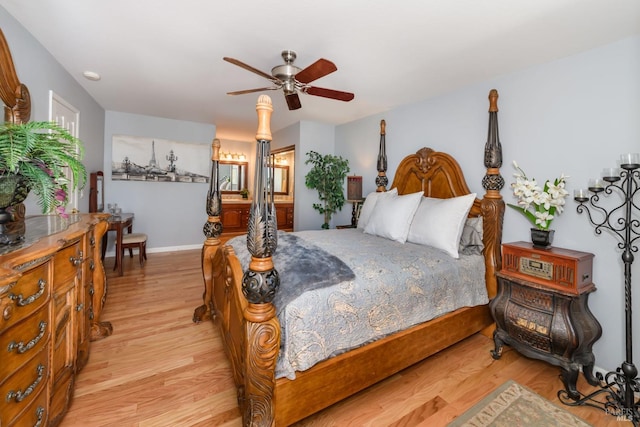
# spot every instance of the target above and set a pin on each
(281, 180)
(233, 176)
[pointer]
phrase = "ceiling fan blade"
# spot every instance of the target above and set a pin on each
(250, 68)
(242, 92)
(329, 93)
(318, 69)
(293, 101)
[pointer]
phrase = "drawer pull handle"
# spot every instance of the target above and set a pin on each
(92, 265)
(40, 415)
(79, 307)
(76, 261)
(90, 313)
(19, 396)
(92, 241)
(21, 347)
(91, 290)
(26, 301)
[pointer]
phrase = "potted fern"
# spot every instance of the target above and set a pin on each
(327, 175)
(35, 157)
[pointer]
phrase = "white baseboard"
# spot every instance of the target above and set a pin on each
(174, 248)
(112, 253)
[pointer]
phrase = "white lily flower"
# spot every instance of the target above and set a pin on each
(539, 204)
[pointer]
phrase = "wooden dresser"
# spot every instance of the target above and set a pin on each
(235, 217)
(52, 289)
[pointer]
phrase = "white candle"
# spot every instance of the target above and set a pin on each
(596, 183)
(630, 159)
(580, 193)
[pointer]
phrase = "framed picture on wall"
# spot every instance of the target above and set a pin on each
(159, 160)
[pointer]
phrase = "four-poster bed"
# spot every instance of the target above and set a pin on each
(240, 299)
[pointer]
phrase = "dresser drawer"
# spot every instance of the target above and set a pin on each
(34, 414)
(23, 341)
(29, 294)
(19, 391)
(66, 263)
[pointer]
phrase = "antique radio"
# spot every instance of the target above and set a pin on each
(562, 269)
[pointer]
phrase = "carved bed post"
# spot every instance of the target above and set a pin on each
(492, 203)
(381, 180)
(259, 285)
(212, 230)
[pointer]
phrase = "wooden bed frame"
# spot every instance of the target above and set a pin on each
(251, 332)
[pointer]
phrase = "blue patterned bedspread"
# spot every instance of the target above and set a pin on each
(396, 286)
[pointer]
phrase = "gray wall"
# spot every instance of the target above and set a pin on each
(575, 115)
(171, 214)
(306, 136)
(37, 69)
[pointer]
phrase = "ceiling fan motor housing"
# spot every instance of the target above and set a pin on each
(287, 72)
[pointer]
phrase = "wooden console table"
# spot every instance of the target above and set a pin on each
(118, 223)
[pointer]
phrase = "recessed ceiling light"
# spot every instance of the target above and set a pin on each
(90, 75)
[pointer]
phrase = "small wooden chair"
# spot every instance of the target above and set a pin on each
(135, 240)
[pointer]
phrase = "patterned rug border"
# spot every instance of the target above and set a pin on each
(489, 411)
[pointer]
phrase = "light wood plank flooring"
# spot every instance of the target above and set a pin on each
(160, 369)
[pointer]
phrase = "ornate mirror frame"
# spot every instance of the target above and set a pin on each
(17, 109)
(14, 95)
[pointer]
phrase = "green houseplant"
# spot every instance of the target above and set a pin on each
(327, 175)
(42, 155)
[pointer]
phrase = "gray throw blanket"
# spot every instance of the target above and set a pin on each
(301, 265)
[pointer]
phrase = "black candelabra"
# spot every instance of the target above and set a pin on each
(618, 387)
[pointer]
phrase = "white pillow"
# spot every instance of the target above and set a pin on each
(439, 222)
(369, 204)
(392, 216)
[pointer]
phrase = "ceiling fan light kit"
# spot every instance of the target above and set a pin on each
(292, 79)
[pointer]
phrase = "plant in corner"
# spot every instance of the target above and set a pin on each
(327, 175)
(38, 154)
(539, 205)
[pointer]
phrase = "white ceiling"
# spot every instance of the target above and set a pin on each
(164, 58)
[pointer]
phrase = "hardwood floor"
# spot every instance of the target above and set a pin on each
(160, 369)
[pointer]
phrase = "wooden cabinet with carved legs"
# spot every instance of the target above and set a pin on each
(542, 310)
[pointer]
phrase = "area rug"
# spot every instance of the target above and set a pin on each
(513, 405)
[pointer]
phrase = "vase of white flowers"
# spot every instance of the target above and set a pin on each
(540, 205)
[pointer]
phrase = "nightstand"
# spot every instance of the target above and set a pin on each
(541, 309)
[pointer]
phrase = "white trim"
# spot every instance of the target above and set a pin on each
(74, 196)
(112, 253)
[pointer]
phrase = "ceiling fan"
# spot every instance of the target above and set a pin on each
(293, 79)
